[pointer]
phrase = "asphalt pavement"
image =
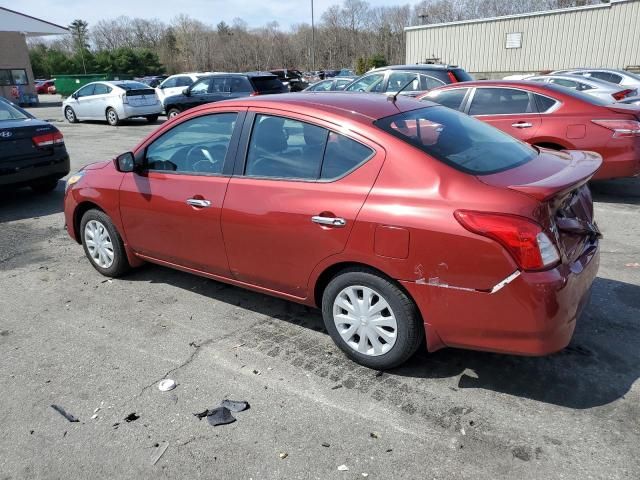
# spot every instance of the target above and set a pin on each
(98, 348)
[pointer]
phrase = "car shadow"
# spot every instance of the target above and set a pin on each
(598, 367)
(130, 122)
(23, 203)
(620, 190)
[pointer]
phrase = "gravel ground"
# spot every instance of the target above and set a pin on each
(73, 338)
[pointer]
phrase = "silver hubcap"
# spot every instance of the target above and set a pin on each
(173, 114)
(98, 242)
(365, 320)
(70, 115)
(112, 116)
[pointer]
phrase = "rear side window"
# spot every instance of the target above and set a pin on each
(585, 97)
(544, 103)
(290, 149)
(500, 101)
(449, 98)
(267, 84)
(458, 140)
(606, 76)
(239, 85)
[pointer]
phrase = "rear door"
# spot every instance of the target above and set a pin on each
(512, 110)
(294, 198)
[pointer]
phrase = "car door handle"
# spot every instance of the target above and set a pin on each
(522, 125)
(198, 202)
(330, 221)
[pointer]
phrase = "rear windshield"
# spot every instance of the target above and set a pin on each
(9, 112)
(466, 144)
(263, 84)
(585, 97)
(133, 86)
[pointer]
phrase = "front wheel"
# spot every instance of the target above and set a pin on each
(102, 244)
(173, 112)
(112, 117)
(371, 319)
(70, 115)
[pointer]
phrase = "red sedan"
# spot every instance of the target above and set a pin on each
(555, 117)
(401, 220)
(45, 86)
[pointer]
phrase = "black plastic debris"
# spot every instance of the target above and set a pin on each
(220, 416)
(64, 413)
(235, 406)
(132, 417)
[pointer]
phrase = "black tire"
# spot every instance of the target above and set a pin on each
(120, 263)
(112, 117)
(410, 329)
(70, 115)
(45, 186)
(152, 118)
(172, 112)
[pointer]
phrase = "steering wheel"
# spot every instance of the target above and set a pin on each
(201, 159)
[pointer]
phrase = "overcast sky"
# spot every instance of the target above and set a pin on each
(254, 12)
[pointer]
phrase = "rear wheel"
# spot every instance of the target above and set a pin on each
(44, 186)
(173, 112)
(102, 244)
(371, 319)
(70, 115)
(112, 117)
(152, 118)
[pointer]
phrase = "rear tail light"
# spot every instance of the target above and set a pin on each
(48, 140)
(621, 128)
(622, 94)
(124, 98)
(452, 77)
(524, 239)
(254, 94)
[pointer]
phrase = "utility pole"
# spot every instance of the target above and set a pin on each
(313, 41)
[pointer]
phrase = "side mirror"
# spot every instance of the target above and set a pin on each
(160, 87)
(186, 92)
(126, 162)
(74, 96)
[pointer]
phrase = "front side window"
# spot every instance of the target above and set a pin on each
(169, 83)
(341, 83)
(449, 98)
(606, 76)
(458, 140)
(564, 83)
(398, 80)
(290, 149)
(101, 89)
(196, 146)
(368, 83)
(500, 101)
(323, 86)
(184, 82)
(201, 86)
(85, 91)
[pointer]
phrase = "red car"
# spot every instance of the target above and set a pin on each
(550, 116)
(399, 219)
(44, 87)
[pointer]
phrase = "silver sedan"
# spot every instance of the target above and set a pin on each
(598, 88)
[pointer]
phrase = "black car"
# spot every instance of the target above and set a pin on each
(32, 151)
(391, 79)
(223, 86)
(291, 78)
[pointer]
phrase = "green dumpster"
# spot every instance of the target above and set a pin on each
(67, 84)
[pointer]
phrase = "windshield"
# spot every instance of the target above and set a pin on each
(458, 140)
(9, 112)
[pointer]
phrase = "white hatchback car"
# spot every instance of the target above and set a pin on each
(112, 101)
(175, 84)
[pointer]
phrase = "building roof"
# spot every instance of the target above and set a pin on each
(520, 15)
(12, 21)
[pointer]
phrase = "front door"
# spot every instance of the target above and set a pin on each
(294, 200)
(171, 210)
(81, 103)
(510, 109)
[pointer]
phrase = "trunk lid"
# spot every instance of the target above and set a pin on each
(558, 181)
(141, 97)
(16, 139)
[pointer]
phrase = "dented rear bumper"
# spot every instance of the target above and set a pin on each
(531, 313)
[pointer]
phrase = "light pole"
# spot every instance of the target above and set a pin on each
(313, 41)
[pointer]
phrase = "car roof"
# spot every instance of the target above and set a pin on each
(577, 78)
(361, 107)
(418, 66)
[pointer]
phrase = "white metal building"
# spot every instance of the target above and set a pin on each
(603, 35)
